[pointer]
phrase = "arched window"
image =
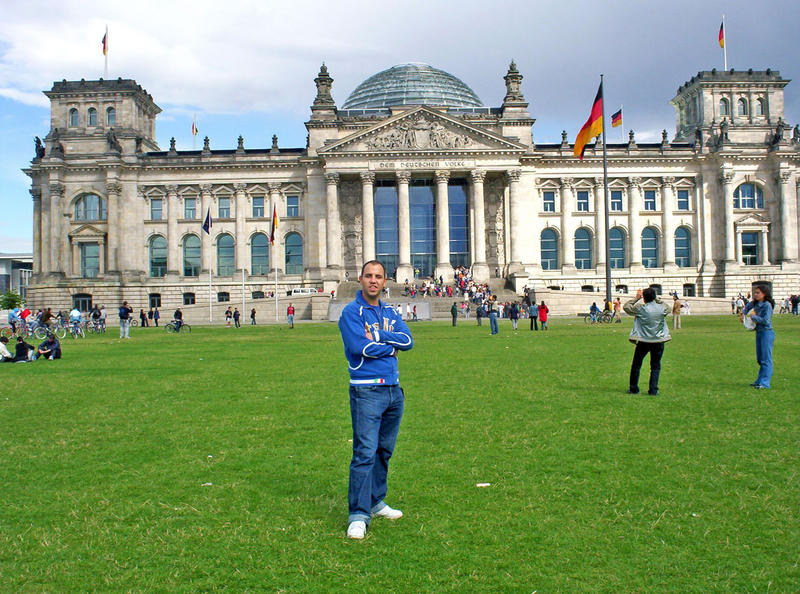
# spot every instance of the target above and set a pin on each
(73, 117)
(191, 255)
(683, 247)
(583, 249)
(748, 196)
(90, 207)
(616, 246)
(650, 247)
(724, 107)
(111, 116)
(293, 245)
(158, 256)
(761, 107)
(259, 254)
(741, 107)
(226, 259)
(549, 241)
(92, 117)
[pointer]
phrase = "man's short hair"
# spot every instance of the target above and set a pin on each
(3, 339)
(649, 294)
(378, 262)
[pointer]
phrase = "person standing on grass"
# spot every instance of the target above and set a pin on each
(760, 311)
(650, 332)
(228, 317)
(372, 333)
(125, 312)
(492, 309)
(617, 309)
(533, 311)
(156, 317)
(142, 319)
(290, 315)
(454, 313)
(253, 317)
(513, 315)
(676, 312)
(236, 316)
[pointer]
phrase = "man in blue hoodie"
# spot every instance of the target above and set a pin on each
(372, 333)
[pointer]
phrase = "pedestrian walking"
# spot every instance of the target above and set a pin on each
(649, 334)
(543, 311)
(454, 313)
(759, 310)
(676, 312)
(479, 314)
(125, 312)
(513, 315)
(253, 317)
(236, 316)
(290, 315)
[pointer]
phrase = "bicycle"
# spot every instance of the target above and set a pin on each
(58, 329)
(76, 330)
(172, 328)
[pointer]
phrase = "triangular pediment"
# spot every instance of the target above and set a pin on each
(420, 131)
(752, 219)
(87, 231)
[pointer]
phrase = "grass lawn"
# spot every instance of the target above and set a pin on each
(219, 460)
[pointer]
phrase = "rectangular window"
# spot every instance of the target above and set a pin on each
(583, 201)
(387, 236)
(649, 199)
(224, 211)
(293, 206)
(189, 208)
(458, 208)
(154, 299)
(549, 199)
(156, 209)
(750, 248)
(683, 199)
(616, 200)
(188, 298)
(258, 207)
(223, 297)
(90, 260)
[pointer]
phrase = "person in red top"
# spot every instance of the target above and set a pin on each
(25, 313)
(290, 315)
(543, 309)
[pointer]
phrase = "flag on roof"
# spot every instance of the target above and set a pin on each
(722, 35)
(105, 42)
(616, 119)
(593, 126)
(194, 126)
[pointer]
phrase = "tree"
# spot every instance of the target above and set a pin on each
(10, 300)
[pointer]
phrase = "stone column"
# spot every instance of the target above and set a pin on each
(443, 267)
(368, 215)
(44, 232)
(567, 231)
(788, 218)
(206, 256)
(404, 268)
(480, 269)
(101, 248)
(242, 259)
(726, 179)
(738, 246)
(173, 241)
(56, 259)
(333, 240)
(36, 195)
(112, 234)
(599, 222)
(764, 247)
(634, 222)
(276, 259)
(667, 220)
(515, 220)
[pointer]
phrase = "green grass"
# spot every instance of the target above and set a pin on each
(103, 458)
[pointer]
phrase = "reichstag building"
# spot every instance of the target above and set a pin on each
(413, 169)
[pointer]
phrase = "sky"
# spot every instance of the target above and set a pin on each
(247, 67)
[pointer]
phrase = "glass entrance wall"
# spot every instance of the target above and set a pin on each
(422, 212)
(458, 204)
(751, 248)
(387, 248)
(90, 260)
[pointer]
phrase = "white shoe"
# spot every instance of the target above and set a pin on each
(357, 529)
(389, 513)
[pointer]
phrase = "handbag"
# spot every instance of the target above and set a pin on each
(748, 323)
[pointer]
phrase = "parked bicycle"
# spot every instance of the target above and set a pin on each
(173, 328)
(605, 317)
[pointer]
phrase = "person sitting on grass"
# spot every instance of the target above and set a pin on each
(50, 348)
(5, 354)
(649, 334)
(23, 352)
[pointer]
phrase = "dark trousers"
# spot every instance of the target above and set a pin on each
(656, 350)
(534, 322)
(454, 320)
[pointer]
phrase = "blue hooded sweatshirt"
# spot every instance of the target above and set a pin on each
(372, 335)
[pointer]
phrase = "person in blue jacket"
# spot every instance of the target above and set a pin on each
(760, 311)
(372, 333)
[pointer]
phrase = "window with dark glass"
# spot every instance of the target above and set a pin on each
(188, 298)
(616, 247)
(158, 256)
(189, 208)
(549, 249)
(293, 206)
(226, 259)
(90, 207)
(683, 247)
(689, 290)
(549, 200)
(422, 214)
(293, 245)
(156, 209)
(683, 199)
(742, 107)
(616, 200)
(583, 249)
(154, 300)
(223, 297)
(92, 116)
(257, 295)
(650, 247)
(258, 207)
(724, 107)
(386, 232)
(111, 116)
(649, 199)
(751, 248)
(224, 211)
(621, 288)
(259, 254)
(191, 255)
(748, 196)
(587, 288)
(90, 260)
(73, 117)
(583, 201)
(82, 301)
(656, 288)
(458, 206)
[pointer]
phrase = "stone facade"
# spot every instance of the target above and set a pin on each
(117, 218)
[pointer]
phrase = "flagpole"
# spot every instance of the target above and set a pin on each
(622, 124)
(210, 304)
(243, 305)
(605, 196)
(725, 42)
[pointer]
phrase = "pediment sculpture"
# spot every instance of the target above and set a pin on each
(419, 133)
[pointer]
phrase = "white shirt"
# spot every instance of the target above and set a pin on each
(75, 315)
(4, 353)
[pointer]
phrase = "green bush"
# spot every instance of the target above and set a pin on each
(10, 300)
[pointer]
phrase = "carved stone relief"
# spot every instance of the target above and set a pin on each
(350, 217)
(417, 134)
(495, 223)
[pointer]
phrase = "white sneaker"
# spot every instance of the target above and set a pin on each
(389, 513)
(357, 529)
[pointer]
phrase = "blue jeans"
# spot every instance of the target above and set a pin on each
(764, 340)
(493, 323)
(376, 412)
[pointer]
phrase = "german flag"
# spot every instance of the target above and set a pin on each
(274, 229)
(593, 126)
(616, 119)
(722, 35)
(105, 43)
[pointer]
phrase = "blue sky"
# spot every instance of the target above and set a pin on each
(247, 67)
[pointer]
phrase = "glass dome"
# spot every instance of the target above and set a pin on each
(411, 84)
